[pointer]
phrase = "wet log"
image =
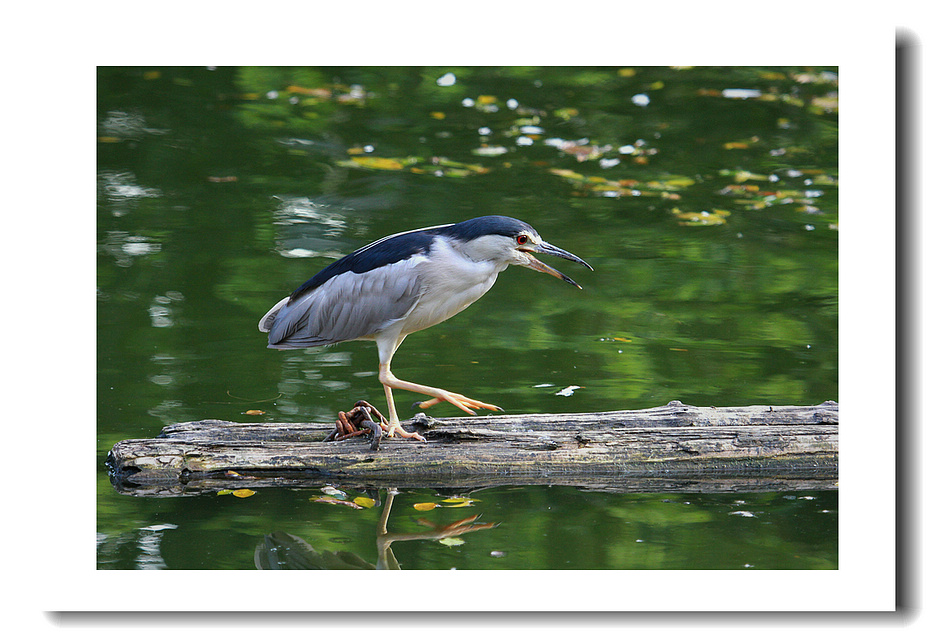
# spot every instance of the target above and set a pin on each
(676, 447)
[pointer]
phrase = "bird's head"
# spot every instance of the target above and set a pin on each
(511, 242)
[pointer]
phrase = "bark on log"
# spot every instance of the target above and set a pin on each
(673, 447)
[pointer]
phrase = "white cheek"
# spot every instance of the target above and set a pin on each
(521, 258)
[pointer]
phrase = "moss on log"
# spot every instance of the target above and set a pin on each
(676, 446)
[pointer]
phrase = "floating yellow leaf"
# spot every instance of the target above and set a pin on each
(604, 187)
(422, 507)
(680, 182)
(716, 217)
(471, 167)
(324, 93)
(458, 502)
(378, 163)
(823, 179)
(451, 541)
(437, 115)
(486, 99)
(566, 113)
(737, 188)
(243, 493)
(225, 491)
(744, 175)
(528, 121)
(583, 153)
(568, 174)
(826, 103)
(254, 412)
(742, 143)
(456, 172)
(364, 502)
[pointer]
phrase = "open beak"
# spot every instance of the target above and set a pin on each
(547, 248)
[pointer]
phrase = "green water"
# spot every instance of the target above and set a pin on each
(709, 216)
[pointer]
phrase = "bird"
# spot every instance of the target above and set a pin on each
(403, 283)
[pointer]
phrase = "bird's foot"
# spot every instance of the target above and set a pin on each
(393, 429)
(463, 402)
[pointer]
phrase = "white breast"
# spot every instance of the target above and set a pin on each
(449, 285)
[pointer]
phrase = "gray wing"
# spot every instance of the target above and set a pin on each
(349, 306)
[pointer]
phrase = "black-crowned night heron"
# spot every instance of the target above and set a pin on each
(405, 283)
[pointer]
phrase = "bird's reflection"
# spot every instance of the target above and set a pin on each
(283, 551)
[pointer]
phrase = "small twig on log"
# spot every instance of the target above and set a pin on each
(348, 424)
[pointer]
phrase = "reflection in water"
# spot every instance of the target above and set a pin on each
(123, 247)
(283, 551)
(310, 371)
(118, 124)
(161, 312)
(118, 186)
(144, 545)
(308, 229)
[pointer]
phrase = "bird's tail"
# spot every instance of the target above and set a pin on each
(266, 322)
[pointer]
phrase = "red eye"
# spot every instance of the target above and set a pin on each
(521, 239)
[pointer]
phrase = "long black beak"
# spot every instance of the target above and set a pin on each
(547, 248)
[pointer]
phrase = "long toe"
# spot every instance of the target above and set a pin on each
(466, 404)
(424, 404)
(396, 428)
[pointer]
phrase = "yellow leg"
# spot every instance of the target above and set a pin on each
(463, 402)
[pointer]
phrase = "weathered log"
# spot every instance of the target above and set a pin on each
(670, 447)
